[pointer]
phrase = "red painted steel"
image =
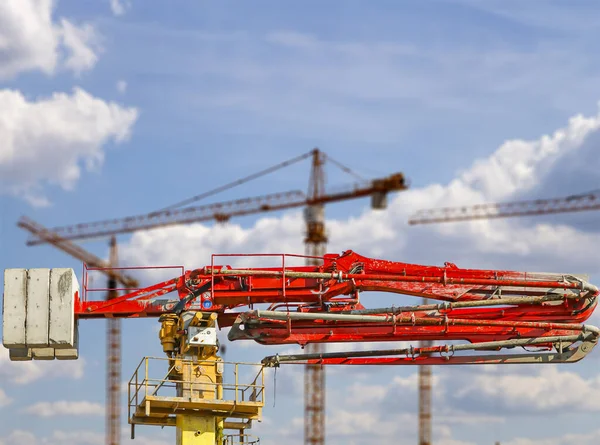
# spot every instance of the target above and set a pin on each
(553, 304)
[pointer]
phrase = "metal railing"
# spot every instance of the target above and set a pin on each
(241, 439)
(142, 383)
(290, 257)
(90, 272)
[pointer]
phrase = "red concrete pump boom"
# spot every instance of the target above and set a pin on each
(481, 312)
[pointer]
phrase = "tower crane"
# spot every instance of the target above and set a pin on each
(483, 316)
(315, 242)
(574, 203)
(315, 238)
(377, 189)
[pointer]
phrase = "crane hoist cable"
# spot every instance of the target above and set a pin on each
(237, 182)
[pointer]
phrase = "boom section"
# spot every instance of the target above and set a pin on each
(338, 284)
(475, 314)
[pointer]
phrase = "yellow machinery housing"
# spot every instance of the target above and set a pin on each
(199, 394)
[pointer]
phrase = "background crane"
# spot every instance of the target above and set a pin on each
(315, 241)
(573, 203)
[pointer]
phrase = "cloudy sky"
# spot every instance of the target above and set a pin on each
(120, 107)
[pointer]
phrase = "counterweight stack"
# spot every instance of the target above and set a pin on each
(113, 333)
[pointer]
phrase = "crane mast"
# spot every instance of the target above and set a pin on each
(315, 241)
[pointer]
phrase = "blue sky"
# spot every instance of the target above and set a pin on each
(108, 111)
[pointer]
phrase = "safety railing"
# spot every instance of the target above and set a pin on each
(285, 260)
(241, 382)
(89, 271)
(241, 439)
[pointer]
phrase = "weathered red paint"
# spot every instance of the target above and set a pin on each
(344, 277)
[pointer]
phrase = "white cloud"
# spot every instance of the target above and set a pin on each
(4, 399)
(349, 423)
(121, 86)
(119, 7)
(28, 38)
(65, 407)
(18, 437)
(21, 373)
(453, 416)
(31, 40)
(73, 437)
(546, 390)
(363, 393)
(519, 165)
(148, 247)
(516, 166)
(591, 438)
(82, 45)
(51, 140)
(362, 424)
(77, 437)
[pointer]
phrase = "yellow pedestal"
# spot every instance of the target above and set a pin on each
(193, 396)
(194, 430)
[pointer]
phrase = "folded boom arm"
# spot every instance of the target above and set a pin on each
(477, 310)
